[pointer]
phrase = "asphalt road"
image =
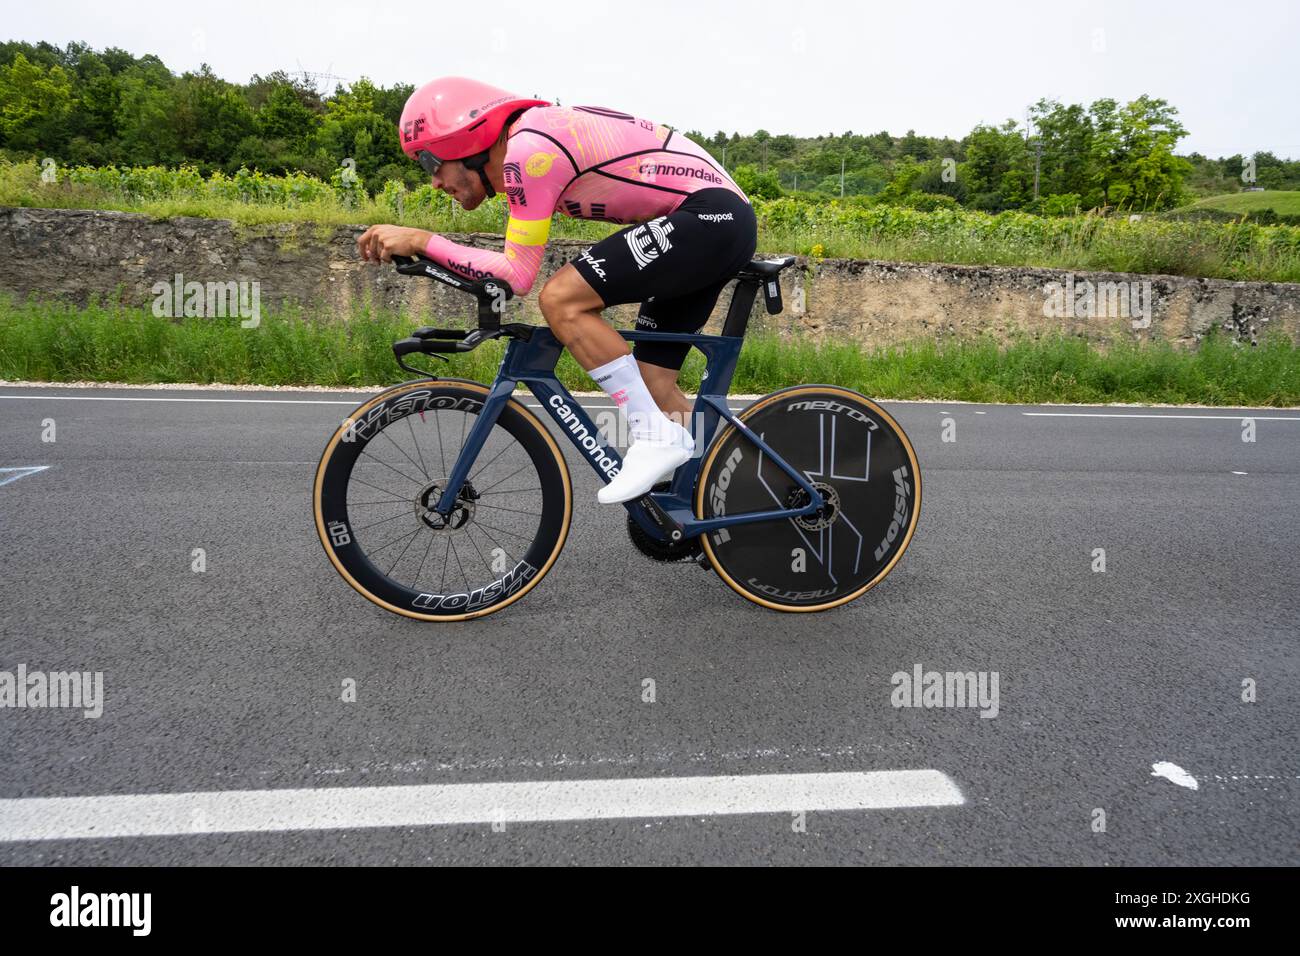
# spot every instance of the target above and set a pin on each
(230, 679)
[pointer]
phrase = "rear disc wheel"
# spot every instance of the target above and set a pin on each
(859, 460)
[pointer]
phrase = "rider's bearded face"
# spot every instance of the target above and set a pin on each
(459, 183)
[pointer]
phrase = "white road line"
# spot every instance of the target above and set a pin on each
(1222, 418)
(734, 408)
(237, 401)
(126, 398)
(345, 808)
(13, 474)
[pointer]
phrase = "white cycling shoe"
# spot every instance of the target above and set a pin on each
(647, 462)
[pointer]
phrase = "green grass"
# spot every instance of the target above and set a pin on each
(57, 342)
(1053, 369)
(1281, 201)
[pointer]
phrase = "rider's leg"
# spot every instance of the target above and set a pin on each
(659, 445)
(661, 362)
(572, 310)
(662, 383)
(672, 265)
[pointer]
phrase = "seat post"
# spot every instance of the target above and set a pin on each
(742, 304)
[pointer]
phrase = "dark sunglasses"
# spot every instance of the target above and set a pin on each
(428, 162)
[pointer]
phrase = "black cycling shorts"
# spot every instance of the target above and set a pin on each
(675, 266)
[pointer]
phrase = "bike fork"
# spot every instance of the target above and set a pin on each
(498, 395)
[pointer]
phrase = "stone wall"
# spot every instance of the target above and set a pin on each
(80, 254)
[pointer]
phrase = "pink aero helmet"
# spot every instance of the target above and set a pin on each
(457, 118)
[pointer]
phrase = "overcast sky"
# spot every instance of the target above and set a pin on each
(803, 67)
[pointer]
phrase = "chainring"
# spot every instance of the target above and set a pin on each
(688, 550)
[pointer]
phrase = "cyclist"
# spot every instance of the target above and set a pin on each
(690, 229)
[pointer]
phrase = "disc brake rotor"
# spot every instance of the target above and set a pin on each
(824, 516)
(461, 513)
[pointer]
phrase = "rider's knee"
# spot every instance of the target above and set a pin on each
(550, 297)
(558, 307)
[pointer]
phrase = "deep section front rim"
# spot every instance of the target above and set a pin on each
(519, 476)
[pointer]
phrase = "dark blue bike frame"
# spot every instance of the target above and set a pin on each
(533, 363)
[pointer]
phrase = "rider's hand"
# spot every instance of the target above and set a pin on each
(381, 243)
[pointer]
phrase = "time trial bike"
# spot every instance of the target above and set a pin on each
(444, 499)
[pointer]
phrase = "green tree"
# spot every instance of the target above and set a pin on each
(762, 185)
(935, 180)
(35, 101)
(915, 146)
(1106, 148)
(145, 121)
(285, 116)
(1064, 134)
(354, 129)
(783, 146)
(857, 182)
(211, 117)
(1132, 153)
(994, 170)
(1153, 173)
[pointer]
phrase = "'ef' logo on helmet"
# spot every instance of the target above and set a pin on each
(413, 129)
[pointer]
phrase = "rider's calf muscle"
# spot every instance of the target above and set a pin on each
(662, 383)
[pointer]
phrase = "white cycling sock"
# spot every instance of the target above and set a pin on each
(621, 380)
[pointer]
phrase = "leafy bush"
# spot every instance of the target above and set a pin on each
(1062, 204)
(757, 185)
(929, 202)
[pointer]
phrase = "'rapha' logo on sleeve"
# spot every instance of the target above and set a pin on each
(75, 908)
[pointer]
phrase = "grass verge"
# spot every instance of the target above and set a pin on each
(53, 341)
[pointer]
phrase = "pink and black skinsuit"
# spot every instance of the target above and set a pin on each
(691, 227)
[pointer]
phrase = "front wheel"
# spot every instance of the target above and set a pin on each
(381, 476)
(861, 463)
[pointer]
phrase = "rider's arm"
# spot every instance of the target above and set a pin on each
(536, 172)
